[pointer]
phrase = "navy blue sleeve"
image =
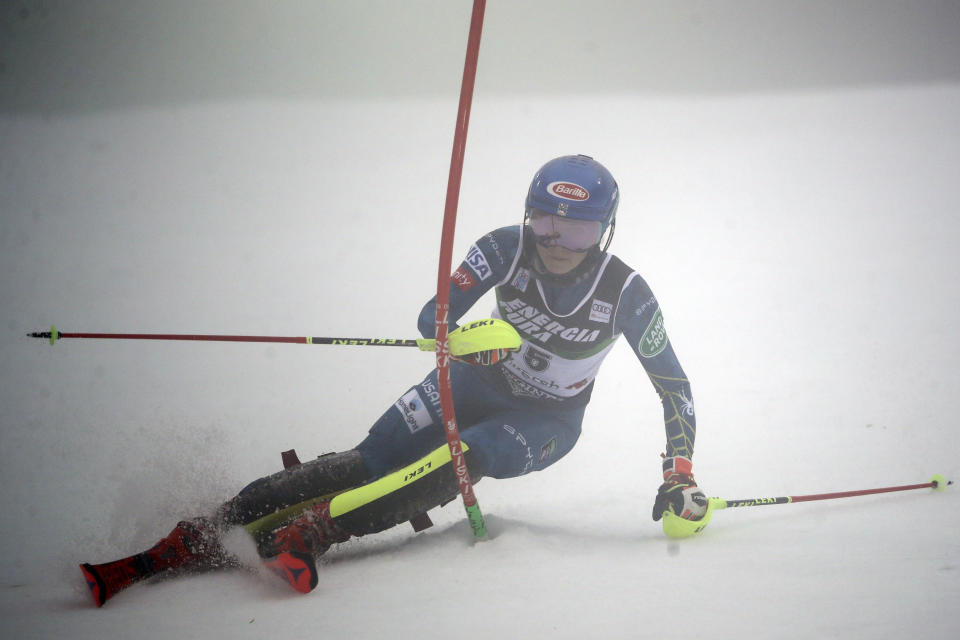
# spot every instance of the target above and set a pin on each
(487, 263)
(641, 320)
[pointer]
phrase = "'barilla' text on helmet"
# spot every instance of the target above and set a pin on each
(575, 187)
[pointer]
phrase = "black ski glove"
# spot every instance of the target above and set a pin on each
(679, 493)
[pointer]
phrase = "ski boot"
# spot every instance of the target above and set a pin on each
(291, 551)
(192, 544)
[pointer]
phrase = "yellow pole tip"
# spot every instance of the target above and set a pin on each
(940, 483)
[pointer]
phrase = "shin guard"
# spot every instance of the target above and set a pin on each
(402, 495)
(292, 550)
(312, 481)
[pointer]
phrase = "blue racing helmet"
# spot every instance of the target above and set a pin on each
(576, 187)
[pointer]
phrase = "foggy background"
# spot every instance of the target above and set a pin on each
(99, 54)
(789, 187)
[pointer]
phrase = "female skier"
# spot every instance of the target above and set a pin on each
(518, 410)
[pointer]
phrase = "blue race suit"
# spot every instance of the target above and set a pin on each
(526, 413)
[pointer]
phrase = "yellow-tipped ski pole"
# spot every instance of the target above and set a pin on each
(473, 337)
(677, 527)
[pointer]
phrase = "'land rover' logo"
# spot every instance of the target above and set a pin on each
(654, 339)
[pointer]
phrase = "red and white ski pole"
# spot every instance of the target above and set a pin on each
(677, 527)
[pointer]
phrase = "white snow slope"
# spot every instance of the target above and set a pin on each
(802, 245)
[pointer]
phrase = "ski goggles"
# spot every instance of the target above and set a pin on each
(569, 233)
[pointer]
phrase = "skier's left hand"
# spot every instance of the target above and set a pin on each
(485, 358)
(679, 493)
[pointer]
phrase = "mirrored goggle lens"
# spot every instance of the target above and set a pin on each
(576, 235)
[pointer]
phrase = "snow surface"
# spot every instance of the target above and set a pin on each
(802, 245)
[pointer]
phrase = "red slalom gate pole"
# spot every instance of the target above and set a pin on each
(451, 430)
